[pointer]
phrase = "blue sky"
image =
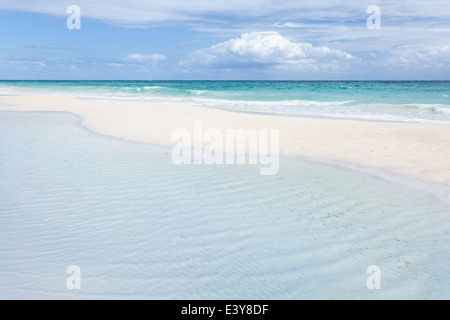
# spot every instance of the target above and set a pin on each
(252, 39)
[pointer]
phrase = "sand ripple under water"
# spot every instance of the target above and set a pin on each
(140, 227)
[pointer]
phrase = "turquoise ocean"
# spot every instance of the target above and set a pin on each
(409, 101)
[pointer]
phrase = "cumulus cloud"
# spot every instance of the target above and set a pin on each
(268, 50)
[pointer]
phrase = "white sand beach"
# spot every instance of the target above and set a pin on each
(414, 149)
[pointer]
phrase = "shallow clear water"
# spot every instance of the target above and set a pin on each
(140, 227)
(409, 101)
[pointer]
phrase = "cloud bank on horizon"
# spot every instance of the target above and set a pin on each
(254, 39)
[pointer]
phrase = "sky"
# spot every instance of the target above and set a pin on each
(225, 40)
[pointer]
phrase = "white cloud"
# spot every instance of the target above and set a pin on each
(19, 62)
(430, 57)
(141, 13)
(269, 50)
(292, 25)
(145, 57)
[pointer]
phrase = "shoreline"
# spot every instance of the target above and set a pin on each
(260, 113)
(418, 150)
(438, 190)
